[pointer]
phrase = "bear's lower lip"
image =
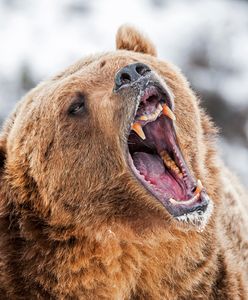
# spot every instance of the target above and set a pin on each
(156, 159)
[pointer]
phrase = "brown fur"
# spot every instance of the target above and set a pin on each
(76, 224)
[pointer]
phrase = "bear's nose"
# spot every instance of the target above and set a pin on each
(130, 73)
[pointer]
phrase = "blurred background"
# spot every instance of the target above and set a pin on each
(207, 39)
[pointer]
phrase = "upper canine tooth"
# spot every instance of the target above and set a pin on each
(199, 187)
(168, 112)
(138, 129)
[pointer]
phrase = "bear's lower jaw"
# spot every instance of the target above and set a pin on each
(157, 161)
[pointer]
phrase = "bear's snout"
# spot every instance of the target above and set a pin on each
(130, 74)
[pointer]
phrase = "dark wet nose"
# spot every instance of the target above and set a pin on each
(130, 74)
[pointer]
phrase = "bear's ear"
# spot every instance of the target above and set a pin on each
(128, 38)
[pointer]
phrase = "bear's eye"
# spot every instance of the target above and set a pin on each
(78, 105)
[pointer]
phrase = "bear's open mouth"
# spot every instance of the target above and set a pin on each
(156, 159)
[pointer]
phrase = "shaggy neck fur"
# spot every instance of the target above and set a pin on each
(111, 261)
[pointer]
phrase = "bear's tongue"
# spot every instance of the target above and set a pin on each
(157, 159)
(154, 171)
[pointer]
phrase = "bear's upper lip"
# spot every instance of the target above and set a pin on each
(155, 157)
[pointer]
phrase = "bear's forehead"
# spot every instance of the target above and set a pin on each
(91, 73)
(109, 62)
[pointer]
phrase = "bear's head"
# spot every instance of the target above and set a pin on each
(116, 137)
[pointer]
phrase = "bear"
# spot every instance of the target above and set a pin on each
(111, 187)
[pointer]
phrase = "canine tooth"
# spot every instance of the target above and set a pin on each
(168, 112)
(199, 187)
(138, 129)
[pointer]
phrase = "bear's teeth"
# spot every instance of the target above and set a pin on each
(199, 187)
(168, 112)
(170, 164)
(144, 118)
(153, 116)
(184, 202)
(138, 129)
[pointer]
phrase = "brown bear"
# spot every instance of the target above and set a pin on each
(111, 187)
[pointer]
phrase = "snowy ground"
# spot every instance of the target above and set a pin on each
(207, 39)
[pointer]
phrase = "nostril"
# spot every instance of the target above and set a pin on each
(125, 78)
(142, 69)
(130, 74)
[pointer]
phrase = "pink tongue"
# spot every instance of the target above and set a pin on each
(151, 166)
(153, 169)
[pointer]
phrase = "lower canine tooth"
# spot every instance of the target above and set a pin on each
(138, 129)
(168, 112)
